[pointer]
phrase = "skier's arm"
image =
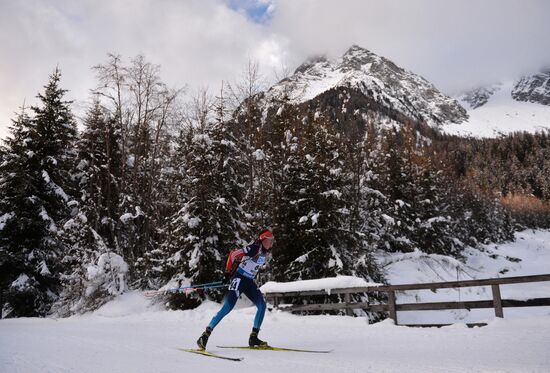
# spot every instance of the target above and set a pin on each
(234, 259)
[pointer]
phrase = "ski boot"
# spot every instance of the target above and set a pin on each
(254, 341)
(203, 340)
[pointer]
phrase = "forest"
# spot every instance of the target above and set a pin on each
(155, 186)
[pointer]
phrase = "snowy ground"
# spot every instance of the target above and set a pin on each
(128, 335)
(531, 247)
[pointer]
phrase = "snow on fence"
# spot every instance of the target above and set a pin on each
(275, 294)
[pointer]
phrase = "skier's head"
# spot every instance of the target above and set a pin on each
(267, 238)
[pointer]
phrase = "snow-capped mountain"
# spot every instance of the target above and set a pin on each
(534, 88)
(385, 88)
(502, 108)
(361, 87)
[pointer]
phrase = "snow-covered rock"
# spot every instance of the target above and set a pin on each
(534, 88)
(376, 77)
(479, 96)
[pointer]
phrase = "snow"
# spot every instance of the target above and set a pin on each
(5, 218)
(259, 155)
(44, 270)
(44, 215)
(22, 282)
(131, 160)
(315, 219)
(129, 334)
(502, 115)
(320, 284)
(202, 138)
(109, 274)
(532, 247)
(129, 337)
(125, 218)
(193, 222)
(334, 193)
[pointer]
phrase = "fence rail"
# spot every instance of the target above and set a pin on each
(392, 306)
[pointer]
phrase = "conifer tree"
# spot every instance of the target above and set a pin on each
(36, 187)
(91, 230)
(210, 221)
(320, 242)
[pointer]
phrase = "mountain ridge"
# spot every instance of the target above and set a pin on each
(374, 76)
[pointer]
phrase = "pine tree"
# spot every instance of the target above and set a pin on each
(314, 211)
(99, 172)
(91, 230)
(372, 206)
(210, 221)
(35, 188)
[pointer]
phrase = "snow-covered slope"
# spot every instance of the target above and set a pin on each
(374, 76)
(130, 335)
(493, 111)
(147, 342)
(528, 255)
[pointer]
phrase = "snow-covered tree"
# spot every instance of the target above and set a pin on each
(210, 221)
(35, 186)
(91, 230)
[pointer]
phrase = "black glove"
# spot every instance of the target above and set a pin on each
(226, 278)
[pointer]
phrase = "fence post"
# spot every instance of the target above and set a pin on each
(347, 299)
(497, 301)
(276, 302)
(391, 305)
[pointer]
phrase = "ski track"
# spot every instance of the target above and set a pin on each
(130, 335)
(148, 342)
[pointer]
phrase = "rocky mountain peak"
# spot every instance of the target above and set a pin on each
(479, 96)
(310, 62)
(376, 78)
(533, 88)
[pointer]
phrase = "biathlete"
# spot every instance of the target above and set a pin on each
(241, 269)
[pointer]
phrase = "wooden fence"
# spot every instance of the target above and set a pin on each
(392, 306)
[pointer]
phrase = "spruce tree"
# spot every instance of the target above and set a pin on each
(36, 187)
(91, 230)
(210, 222)
(314, 212)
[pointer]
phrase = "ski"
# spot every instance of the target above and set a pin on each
(271, 348)
(210, 354)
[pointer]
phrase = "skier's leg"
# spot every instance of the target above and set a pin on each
(256, 296)
(228, 304)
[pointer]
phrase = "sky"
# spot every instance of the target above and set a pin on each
(456, 45)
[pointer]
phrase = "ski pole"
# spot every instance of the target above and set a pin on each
(206, 287)
(209, 285)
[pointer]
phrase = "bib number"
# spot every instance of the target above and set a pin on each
(235, 285)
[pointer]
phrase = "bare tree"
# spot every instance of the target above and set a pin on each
(146, 109)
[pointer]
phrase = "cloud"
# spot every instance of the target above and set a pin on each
(197, 43)
(455, 43)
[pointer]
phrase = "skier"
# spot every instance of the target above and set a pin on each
(241, 268)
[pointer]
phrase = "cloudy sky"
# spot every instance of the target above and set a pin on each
(456, 44)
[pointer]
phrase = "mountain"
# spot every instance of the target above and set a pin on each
(362, 86)
(502, 108)
(534, 88)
